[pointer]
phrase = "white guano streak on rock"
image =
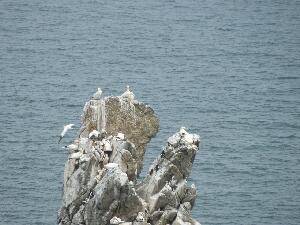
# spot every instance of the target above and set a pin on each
(127, 106)
(101, 114)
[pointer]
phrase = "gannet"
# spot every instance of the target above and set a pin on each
(94, 134)
(115, 220)
(97, 95)
(110, 166)
(72, 147)
(66, 128)
(128, 94)
(120, 136)
(182, 131)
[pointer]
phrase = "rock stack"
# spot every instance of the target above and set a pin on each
(100, 177)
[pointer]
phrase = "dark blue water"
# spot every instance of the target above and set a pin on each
(229, 71)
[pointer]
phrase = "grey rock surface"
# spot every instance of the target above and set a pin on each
(100, 176)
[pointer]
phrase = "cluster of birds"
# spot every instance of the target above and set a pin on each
(128, 94)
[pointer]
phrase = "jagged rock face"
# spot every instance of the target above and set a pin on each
(165, 188)
(100, 177)
(116, 114)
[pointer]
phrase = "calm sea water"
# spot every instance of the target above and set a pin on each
(227, 70)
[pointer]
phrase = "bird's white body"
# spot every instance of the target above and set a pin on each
(128, 94)
(97, 95)
(111, 166)
(94, 133)
(72, 147)
(115, 220)
(182, 131)
(65, 130)
(120, 136)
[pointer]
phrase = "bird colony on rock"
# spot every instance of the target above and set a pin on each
(101, 184)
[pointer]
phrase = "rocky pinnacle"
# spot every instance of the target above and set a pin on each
(100, 176)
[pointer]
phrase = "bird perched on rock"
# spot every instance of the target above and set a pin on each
(140, 217)
(97, 95)
(94, 134)
(65, 130)
(182, 131)
(71, 147)
(128, 94)
(115, 220)
(110, 166)
(120, 136)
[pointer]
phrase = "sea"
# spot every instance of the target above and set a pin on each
(226, 70)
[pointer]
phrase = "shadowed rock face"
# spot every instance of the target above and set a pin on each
(100, 177)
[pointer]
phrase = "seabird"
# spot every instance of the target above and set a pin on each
(120, 136)
(156, 168)
(66, 128)
(72, 147)
(94, 134)
(115, 220)
(128, 94)
(97, 95)
(110, 166)
(182, 131)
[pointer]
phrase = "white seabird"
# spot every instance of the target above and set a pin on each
(120, 136)
(94, 134)
(128, 94)
(115, 220)
(66, 128)
(110, 166)
(182, 131)
(72, 147)
(97, 95)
